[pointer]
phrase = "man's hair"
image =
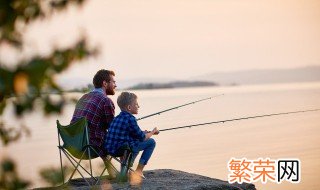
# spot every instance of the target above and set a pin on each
(125, 99)
(100, 76)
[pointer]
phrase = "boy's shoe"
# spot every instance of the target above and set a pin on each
(135, 179)
(141, 174)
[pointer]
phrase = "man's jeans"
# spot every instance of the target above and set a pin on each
(147, 147)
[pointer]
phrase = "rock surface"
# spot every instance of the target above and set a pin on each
(166, 179)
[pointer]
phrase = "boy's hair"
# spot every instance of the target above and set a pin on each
(125, 99)
(100, 76)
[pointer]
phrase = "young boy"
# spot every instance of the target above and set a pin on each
(125, 130)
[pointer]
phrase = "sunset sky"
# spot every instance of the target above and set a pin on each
(184, 38)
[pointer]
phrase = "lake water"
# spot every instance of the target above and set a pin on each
(204, 150)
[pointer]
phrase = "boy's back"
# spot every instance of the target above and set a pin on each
(123, 129)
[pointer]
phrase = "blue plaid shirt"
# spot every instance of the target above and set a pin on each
(123, 129)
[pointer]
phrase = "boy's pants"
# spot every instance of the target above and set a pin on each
(147, 147)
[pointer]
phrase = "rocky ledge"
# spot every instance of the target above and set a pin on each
(164, 179)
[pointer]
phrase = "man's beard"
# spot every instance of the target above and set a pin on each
(110, 91)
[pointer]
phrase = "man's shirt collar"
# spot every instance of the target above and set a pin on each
(100, 90)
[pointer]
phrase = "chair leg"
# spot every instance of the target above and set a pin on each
(76, 169)
(90, 161)
(125, 165)
(120, 163)
(76, 165)
(66, 153)
(61, 165)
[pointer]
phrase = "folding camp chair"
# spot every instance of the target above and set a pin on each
(76, 147)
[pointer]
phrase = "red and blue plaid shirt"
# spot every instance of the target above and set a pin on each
(99, 111)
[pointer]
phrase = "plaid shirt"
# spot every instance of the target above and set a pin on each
(123, 129)
(99, 111)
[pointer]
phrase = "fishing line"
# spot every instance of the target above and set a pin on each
(237, 119)
(177, 107)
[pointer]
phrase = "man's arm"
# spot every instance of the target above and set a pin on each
(108, 109)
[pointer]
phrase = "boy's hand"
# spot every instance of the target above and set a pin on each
(155, 131)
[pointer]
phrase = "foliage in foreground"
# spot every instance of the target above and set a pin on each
(32, 79)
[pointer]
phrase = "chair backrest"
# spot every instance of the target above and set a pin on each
(75, 138)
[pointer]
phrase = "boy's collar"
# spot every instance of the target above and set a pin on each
(126, 112)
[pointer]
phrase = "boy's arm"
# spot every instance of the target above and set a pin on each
(155, 131)
(135, 130)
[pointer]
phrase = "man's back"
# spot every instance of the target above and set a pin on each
(99, 111)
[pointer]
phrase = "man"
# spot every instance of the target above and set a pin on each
(98, 109)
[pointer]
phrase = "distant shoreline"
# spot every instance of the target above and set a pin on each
(226, 78)
(170, 85)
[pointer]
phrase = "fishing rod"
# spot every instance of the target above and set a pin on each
(160, 112)
(237, 119)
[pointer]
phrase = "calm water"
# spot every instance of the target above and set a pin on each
(204, 150)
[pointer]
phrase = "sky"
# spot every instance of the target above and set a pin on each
(184, 38)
